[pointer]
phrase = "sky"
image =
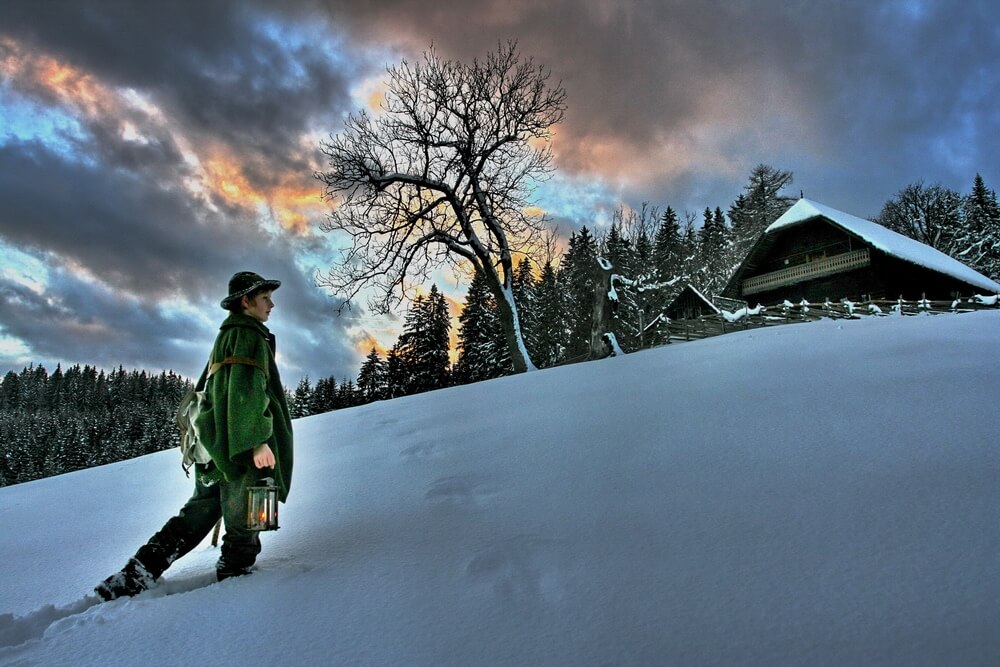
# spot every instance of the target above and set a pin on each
(148, 151)
(584, 515)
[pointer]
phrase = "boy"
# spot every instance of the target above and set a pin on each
(245, 428)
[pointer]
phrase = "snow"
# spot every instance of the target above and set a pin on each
(743, 313)
(508, 294)
(887, 241)
(986, 300)
(612, 341)
(822, 493)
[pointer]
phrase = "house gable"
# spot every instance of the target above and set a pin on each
(689, 304)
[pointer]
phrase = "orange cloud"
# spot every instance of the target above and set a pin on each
(292, 205)
(365, 345)
(376, 100)
(71, 86)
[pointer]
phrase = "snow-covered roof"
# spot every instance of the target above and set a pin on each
(886, 240)
(703, 297)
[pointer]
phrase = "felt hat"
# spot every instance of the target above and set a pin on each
(247, 282)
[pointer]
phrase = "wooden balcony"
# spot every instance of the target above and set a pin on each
(810, 270)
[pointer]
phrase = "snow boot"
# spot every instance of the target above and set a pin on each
(133, 579)
(224, 573)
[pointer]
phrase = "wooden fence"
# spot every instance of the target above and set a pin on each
(789, 313)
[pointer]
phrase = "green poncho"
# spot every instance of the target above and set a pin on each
(247, 406)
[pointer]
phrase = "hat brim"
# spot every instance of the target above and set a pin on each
(263, 284)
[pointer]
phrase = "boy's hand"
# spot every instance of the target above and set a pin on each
(263, 457)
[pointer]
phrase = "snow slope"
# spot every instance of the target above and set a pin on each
(823, 494)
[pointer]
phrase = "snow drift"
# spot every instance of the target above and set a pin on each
(821, 493)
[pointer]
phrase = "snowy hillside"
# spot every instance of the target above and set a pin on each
(816, 494)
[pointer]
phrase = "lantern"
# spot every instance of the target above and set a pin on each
(262, 505)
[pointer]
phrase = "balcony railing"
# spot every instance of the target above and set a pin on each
(808, 271)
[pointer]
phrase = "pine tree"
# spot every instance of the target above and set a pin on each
(482, 350)
(524, 297)
(668, 247)
(324, 397)
(714, 251)
(424, 343)
(396, 373)
(10, 392)
(978, 243)
(618, 250)
(348, 395)
(689, 248)
(577, 275)
(550, 337)
(302, 399)
(642, 255)
(436, 366)
(758, 206)
(372, 377)
(627, 316)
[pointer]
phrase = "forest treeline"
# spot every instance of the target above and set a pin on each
(52, 423)
(81, 417)
(659, 252)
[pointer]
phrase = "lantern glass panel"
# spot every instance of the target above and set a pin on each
(262, 506)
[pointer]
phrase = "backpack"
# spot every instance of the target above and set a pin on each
(195, 402)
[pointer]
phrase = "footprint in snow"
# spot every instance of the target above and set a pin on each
(461, 490)
(16, 631)
(419, 451)
(521, 567)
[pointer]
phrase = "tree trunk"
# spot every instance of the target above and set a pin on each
(602, 309)
(510, 321)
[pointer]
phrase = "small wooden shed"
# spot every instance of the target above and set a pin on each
(690, 304)
(814, 252)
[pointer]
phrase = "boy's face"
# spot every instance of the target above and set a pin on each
(259, 307)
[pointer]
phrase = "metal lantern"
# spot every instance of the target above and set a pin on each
(262, 505)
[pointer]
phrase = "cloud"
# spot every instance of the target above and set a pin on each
(126, 248)
(75, 321)
(190, 157)
(136, 235)
(126, 251)
(676, 101)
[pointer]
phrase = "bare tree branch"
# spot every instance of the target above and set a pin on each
(444, 175)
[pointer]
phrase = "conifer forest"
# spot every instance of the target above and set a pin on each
(53, 423)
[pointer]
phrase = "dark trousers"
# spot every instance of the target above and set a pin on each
(196, 519)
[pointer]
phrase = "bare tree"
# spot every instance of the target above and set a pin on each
(929, 214)
(443, 175)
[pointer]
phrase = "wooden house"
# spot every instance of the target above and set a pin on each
(690, 304)
(815, 253)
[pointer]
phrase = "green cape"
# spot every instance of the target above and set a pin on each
(247, 406)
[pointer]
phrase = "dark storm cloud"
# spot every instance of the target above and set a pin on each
(680, 97)
(120, 210)
(148, 244)
(855, 97)
(214, 67)
(135, 234)
(74, 321)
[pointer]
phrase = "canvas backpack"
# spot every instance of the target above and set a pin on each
(193, 403)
